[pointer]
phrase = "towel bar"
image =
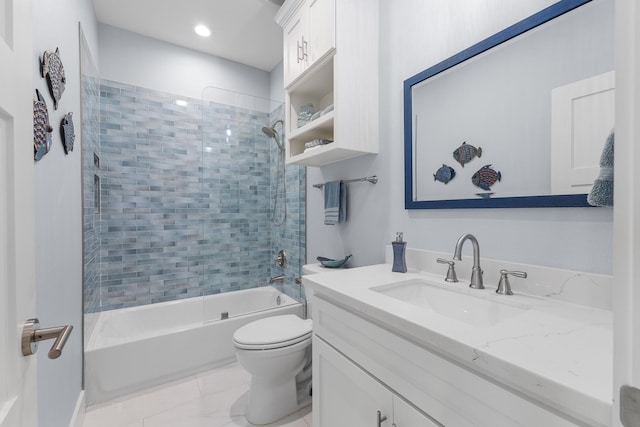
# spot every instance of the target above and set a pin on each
(372, 179)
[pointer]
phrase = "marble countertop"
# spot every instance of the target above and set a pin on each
(558, 353)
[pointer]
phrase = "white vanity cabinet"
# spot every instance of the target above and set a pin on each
(361, 365)
(405, 415)
(331, 62)
(346, 395)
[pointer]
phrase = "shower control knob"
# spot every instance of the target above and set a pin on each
(281, 259)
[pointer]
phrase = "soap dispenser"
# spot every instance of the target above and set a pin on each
(399, 249)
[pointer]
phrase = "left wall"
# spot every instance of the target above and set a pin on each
(58, 225)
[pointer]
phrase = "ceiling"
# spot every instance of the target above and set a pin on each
(241, 30)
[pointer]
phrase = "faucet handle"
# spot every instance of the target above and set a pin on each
(504, 287)
(451, 272)
(281, 259)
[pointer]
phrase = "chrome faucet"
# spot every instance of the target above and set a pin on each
(279, 278)
(476, 271)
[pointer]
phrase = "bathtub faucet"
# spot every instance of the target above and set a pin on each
(279, 278)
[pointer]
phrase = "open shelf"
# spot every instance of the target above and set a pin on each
(322, 127)
(323, 155)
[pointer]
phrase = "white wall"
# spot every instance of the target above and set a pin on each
(367, 228)
(142, 61)
(58, 224)
(276, 82)
(414, 35)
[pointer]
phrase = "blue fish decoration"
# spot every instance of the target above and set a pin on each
(67, 132)
(465, 153)
(485, 177)
(41, 127)
(52, 69)
(444, 174)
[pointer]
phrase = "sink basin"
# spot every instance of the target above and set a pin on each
(453, 304)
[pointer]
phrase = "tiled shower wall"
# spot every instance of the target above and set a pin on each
(288, 235)
(185, 199)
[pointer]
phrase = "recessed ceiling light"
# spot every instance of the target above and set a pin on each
(181, 102)
(202, 30)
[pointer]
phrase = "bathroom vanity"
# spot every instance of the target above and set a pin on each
(413, 350)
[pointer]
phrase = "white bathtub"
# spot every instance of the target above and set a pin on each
(134, 348)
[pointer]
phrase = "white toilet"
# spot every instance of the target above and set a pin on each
(276, 351)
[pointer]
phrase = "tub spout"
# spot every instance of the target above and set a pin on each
(279, 278)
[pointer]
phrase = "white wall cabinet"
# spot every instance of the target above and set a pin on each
(330, 62)
(348, 396)
(309, 35)
(293, 58)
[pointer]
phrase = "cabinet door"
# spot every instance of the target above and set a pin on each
(405, 415)
(321, 33)
(344, 394)
(294, 63)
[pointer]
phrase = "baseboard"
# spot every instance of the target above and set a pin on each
(77, 420)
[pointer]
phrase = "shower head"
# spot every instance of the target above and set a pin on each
(271, 132)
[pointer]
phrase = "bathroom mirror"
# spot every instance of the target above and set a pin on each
(509, 106)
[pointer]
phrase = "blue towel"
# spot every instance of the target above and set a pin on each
(335, 202)
(601, 193)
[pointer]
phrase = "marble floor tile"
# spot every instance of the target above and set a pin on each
(216, 398)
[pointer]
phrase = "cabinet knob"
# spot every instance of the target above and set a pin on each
(302, 50)
(305, 49)
(381, 419)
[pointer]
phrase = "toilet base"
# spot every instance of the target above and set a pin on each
(269, 401)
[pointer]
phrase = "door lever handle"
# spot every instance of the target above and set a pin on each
(31, 335)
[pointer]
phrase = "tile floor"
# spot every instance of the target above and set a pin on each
(215, 398)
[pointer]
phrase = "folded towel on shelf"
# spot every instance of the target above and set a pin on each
(335, 202)
(304, 116)
(316, 142)
(601, 193)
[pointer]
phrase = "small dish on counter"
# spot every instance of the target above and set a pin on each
(333, 263)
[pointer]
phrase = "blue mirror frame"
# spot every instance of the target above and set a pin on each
(569, 200)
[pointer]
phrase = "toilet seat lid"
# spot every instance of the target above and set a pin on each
(273, 332)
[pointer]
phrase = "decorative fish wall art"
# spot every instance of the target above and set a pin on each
(41, 127)
(466, 152)
(444, 174)
(52, 69)
(67, 133)
(485, 177)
